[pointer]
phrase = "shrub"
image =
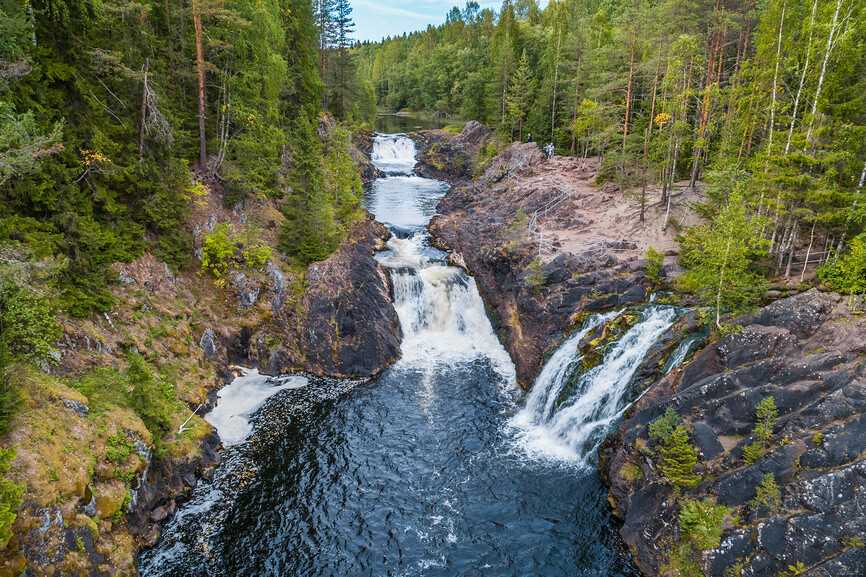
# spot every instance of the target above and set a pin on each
(678, 456)
(766, 415)
(10, 497)
(701, 523)
(118, 448)
(848, 273)
(654, 265)
(534, 276)
(768, 494)
(151, 397)
(218, 250)
(662, 428)
(257, 256)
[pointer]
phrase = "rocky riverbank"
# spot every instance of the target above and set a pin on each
(794, 502)
(547, 246)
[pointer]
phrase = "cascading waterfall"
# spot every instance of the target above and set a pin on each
(394, 154)
(441, 313)
(573, 430)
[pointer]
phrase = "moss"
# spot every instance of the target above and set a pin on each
(111, 497)
(630, 472)
(594, 350)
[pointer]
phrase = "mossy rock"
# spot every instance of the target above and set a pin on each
(594, 349)
(111, 498)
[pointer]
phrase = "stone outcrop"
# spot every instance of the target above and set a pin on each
(537, 288)
(346, 325)
(808, 352)
(443, 155)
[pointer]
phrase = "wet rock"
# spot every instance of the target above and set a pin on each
(345, 325)
(76, 407)
(807, 352)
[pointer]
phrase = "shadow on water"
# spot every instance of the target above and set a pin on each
(397, 123)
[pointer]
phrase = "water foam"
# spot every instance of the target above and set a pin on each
(237, 401)
(440, 311)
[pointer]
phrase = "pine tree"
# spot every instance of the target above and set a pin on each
(520, 95)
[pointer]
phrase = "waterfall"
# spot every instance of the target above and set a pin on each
(573, 429)
(440, 311)
(393, 154)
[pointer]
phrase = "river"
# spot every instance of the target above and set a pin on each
(439, 467)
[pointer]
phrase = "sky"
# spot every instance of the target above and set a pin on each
(375, 19)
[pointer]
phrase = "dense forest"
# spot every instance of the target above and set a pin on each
(116, 118)
(763, 102)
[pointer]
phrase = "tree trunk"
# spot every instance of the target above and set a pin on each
(821, 77)
(775, 89)
(555, 82)
(200, 71)
(141, 128)
(802, 79)
(808, 251)
(628, 99)
(791, 248)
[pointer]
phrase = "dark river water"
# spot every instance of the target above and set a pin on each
(420, 472)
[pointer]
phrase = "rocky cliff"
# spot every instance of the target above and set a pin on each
(546, 246)
(792, 498)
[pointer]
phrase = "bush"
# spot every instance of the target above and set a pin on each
(151, 397)
(28, 331)
(218, 250)
(766, 415)
(654, 265)
(10, 497)
(257, 256)
(701, 523)
(848, 273)
(768, 494)
(678, 457)
(534, 276)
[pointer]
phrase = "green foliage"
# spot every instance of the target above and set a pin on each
(28, 332)
(797, 568)
(534, 276)
(218, 251)
(11, 494)
(118, 448)
(153, 398)
(257, 256)
(847, 274)
(818, 438)
(654, 265)
(702, 523)
(768, 495)
(766, 415)
(720, 259)
(662, 429)
(677, 455)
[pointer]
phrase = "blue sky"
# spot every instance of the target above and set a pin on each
(375, 19)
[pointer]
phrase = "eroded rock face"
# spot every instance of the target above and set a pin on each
(809, 353)
(446, 156)
(535, 288)
(345, 325)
